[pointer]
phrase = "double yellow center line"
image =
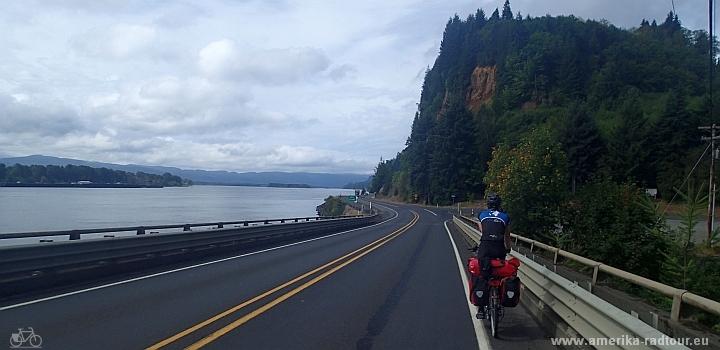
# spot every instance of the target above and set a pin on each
(339, 263)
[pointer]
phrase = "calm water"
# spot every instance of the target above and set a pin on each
(50, 209)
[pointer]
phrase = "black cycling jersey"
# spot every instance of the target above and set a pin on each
(493, 224)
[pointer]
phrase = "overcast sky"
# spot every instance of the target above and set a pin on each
(327, 86)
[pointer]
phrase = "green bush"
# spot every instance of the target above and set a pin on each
(333, 206)
(531, 179)
(608, 225)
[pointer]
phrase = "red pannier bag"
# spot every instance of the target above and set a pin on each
(474, 266)
(505, 268)
(501, 268)
(474, 269)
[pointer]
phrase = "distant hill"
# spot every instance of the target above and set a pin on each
(205, 176)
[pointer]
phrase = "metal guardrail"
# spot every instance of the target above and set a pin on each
(590, 316)
(141, 230)
(33, 261)
(679, 295)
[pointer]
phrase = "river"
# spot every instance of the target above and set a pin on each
(51, 209)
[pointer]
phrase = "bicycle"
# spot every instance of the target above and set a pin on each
(19, 338)
(494, 311)
(502, 271)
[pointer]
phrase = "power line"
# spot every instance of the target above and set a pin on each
(673, 6)
(688, 177)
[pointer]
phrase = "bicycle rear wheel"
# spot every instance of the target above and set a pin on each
(494, 316)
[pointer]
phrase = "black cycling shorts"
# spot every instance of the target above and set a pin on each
(489, 250)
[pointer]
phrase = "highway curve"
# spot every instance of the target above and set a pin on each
(394, 285)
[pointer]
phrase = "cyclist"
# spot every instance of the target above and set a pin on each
(494, 225)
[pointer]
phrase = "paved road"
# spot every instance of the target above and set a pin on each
(395, 285)
(700, 230)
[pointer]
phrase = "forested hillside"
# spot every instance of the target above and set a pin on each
(571, 121)
(625, 102)
(54, 174)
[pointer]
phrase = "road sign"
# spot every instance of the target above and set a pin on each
(352, 198)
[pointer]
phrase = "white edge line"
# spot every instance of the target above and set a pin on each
(429, 212)
(482, 338)
(181, 269)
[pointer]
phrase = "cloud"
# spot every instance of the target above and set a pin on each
(236, 156)
(105, 6)
(341, 72)
(126, 39)
(177, 18)
(119, 41)
(225, 59)
(19, 115)
(194, 106)
(167, 105)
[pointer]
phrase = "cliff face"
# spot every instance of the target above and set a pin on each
(482, 86)
(481, 89)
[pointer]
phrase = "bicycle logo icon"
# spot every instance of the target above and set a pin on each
(17, 340)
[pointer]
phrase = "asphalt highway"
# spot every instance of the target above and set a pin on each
(399, 284)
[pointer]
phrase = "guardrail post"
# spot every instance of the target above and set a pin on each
(74, 236)
(596, 270)
(141, 231)
(655, 320)
(677, 302)
(186, 227)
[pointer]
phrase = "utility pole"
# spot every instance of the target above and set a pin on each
(711, 188)
(711, 197)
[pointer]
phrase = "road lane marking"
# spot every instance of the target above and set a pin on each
(430, 212)
(213, 336)
(482, 337)
(285, 296)
(36, 301)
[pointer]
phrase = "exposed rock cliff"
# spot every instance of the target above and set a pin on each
(482, 86)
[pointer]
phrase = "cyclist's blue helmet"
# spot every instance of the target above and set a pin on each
(493, 201)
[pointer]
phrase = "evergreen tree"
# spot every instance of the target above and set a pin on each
(480, 17)
(414, 159)
(674, 138)
(582, 143)
(628, 145)
(506, 12)
(495, 15)
(382, 180)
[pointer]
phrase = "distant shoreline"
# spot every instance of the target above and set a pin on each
(272, 184)
(79, 185)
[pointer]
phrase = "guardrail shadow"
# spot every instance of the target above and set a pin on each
(33, 268)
